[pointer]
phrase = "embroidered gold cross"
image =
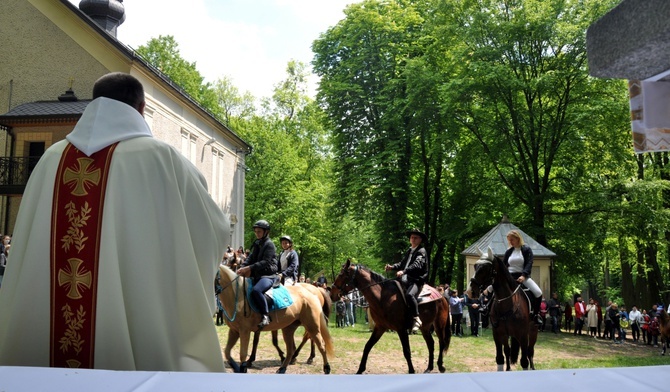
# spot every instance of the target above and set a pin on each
(82, 178)
(74, 278)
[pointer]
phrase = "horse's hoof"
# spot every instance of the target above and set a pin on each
(234, 366)
(411, 371)
(310, 361)
(281, 370)
(326, 369)
(293, 361)
(427, 371)
(243, 367)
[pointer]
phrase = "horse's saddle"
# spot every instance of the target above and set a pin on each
(428, 294)
(278, 297)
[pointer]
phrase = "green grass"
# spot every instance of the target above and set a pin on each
(466, 354)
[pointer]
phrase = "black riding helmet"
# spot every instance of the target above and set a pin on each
(287, 238)
(263, 224)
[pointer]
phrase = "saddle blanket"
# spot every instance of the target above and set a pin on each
(428, 294)
(279, 296)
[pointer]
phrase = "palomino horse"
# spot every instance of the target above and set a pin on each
(305, 311)
(664, 324)
(324, 298)
(510, 315)
(389, 311)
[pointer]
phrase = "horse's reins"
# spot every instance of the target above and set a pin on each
(353, 278)
(237, 292)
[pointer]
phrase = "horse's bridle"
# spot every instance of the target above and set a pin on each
(349, 284)
(480, 286)
(237, 293)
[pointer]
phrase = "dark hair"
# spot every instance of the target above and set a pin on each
(120, 87)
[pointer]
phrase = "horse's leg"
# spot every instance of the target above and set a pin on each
(254, 346)
(297, 350)
(275, 342)
(406, 351)
(289, 338)
(244, 349)
(377, 333)
(508, 354)
(233, 336)
(430, 343)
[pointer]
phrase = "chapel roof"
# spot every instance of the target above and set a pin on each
(496, 238)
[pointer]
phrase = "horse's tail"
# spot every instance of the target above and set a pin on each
(446, 330)
(325, 334)
(327, 303)
(514, 351)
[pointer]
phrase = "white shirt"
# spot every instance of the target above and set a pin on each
(516, 261)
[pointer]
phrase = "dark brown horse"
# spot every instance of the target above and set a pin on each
(324, 298)
(389, 311)
(510, 315)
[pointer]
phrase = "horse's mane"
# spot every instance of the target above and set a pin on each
(376, 277)
(505, 272)
(663, 317)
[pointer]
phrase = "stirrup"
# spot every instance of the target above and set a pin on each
(265, 321)
(417, 324)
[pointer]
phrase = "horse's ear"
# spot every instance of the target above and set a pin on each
(480, 252)
(489, 253)
(347, 264)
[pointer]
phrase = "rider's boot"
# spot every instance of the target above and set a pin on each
(265, 321)
(417, 324)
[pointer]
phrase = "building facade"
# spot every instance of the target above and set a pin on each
(51, 53)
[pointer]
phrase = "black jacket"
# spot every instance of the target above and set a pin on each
(292, 263)
(415, 267)
(527, 259)
(263, 258)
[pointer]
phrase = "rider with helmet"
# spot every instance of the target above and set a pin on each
(413, 271)
(288, 261)
(262, 266)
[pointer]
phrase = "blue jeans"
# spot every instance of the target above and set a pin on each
(258, 293)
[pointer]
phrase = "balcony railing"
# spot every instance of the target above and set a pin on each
(14, 173)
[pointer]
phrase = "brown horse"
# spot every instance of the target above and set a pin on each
(305, 311)
(389, 311)
(664, 324)
(510, 315)
(324, 298)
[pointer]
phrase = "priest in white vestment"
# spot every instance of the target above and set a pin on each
(160, 239)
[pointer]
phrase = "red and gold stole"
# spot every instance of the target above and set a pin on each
(76, 222)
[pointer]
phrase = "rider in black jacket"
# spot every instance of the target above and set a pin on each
(263, 267)
(413, 271)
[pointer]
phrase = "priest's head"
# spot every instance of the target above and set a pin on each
(121, 87)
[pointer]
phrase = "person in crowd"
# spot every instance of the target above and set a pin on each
(592, 317)
(340, 311)
(103, 226)
(302, 278)
(634, 319)
(519, 260)
(645, 320)
(580, 314)
(288, 258)
(412, 269)
(263, 268)
(616, 326)
(600, 317)
(473, 311)
(554, 312)
(321, 281)
(608, 322)
(352, 297)
(654, 330)
(456, 309)
(4, 253)
(544, 309)
(567, 311)
(219, 306)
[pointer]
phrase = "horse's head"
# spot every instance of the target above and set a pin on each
(485, 272)
(226, 275)
(344, 282)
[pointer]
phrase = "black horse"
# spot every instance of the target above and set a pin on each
(509, 311)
